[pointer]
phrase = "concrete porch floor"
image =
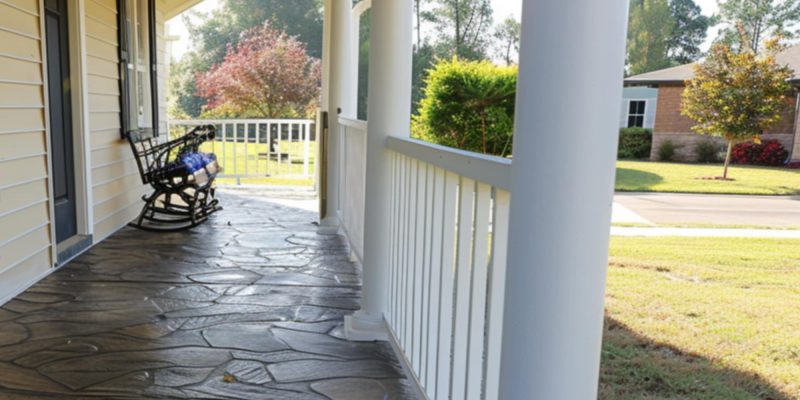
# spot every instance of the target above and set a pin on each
(247, 306)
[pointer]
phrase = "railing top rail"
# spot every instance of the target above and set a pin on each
(239, 120)
(493, 170)
(353, 123)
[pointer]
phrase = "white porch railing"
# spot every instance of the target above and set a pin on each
(251, 148)
(352, 161)
(448, 235)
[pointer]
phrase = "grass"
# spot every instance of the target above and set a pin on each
(704, 226)
(702, 318)
(646, 176)
(244, 160)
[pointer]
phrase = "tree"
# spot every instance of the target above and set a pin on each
(424, 59)
(507, 36)
(649, 30)
(268, 74)
(689, 32)
(182, 98)
(736, 95)
(224, 26)
(463, 26)
(760, 19)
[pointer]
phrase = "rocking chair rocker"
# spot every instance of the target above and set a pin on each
(183, 196)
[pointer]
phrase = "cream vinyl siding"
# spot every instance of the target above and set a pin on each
(116, 188)
(25, 239)
(162, 63)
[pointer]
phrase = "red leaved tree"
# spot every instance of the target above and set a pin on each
(268, 74)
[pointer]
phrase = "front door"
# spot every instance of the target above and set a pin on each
(60, 118)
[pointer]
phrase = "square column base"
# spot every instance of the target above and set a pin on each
(361, 327)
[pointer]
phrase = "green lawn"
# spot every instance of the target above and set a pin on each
(702, 318)
(244, 160)
(645, 176)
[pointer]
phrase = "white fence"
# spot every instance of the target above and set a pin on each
(448, 235)
(353, 160)
(253, 148)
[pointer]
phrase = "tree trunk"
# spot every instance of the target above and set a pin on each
(458, 29)
(727, 159)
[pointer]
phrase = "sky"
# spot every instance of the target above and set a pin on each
(502, 9)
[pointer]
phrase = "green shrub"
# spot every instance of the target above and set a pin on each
(707, 152)
(634, 143)
(666, 151)
(468, 105)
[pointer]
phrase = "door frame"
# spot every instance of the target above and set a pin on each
(79, 91)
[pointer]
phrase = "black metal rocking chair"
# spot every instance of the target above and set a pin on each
(181, 198)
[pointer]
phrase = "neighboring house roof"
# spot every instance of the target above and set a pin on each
(680, 74)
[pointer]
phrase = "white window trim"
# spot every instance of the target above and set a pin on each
(628, 114)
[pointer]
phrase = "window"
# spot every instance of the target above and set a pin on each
(636, 110)
(137, 65)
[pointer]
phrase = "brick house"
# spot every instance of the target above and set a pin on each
(671, 125)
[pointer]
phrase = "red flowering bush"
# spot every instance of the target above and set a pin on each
(768, 153)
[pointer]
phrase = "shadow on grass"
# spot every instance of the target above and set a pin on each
(632, 179)
(635, 367)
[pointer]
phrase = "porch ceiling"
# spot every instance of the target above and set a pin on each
(172, 8)
(249, 305)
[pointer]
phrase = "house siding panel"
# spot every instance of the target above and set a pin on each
(25, 244)
(19, 21)
(162, 61)
(15, 45)
(25, 241)
(16, 95)
(111, 155)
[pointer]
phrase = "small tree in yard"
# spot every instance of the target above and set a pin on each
(268, 74)
(736, 96)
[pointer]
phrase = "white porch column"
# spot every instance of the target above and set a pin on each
(562, 180)
(338, 58)
(389, 108)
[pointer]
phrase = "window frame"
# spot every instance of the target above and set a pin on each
(124, 59)
(630, 115)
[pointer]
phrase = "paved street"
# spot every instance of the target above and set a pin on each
(668, 208)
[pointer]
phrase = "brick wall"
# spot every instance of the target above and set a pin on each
(671, 125)
(668, 113)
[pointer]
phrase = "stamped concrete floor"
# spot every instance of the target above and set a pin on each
(247, 306)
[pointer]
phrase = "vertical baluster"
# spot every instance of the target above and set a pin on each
(477, 313)
(306, 140)
(497, 281)
(419, 249)
(235, 149)
(246, 146)
(214, 142)
(409, 276)
(268, 140)
(224, 148)
(294, 140)
(392, 241)
(447, 285)
(257, 148)
(434, 282)
(466, 216)
(426, 273)
(401, 254)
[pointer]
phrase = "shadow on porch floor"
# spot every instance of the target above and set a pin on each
(249, 305)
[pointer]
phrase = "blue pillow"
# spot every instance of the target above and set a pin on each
(197, 161)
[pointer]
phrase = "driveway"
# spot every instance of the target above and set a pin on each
(670, 208)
